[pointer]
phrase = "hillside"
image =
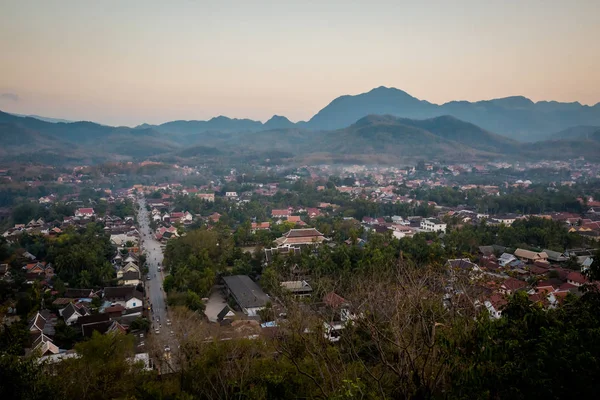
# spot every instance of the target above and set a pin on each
(587, 147)
(78, 141)
(370, 139)
(580, 131)
(403, 138)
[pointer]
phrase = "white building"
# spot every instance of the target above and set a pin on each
(433, 225)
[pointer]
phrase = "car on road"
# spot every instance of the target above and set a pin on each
(148, 278)
(157, 331)
(159, 269)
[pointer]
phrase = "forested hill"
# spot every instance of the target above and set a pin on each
(372, 139)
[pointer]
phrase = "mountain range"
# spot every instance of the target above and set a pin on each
(371, 139)
(515, 117)
(373, 127)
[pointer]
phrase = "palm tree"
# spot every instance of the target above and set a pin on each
(85, 279)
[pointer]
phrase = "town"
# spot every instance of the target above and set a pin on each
(246, 255)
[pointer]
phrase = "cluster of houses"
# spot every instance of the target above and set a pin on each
(401, 227)
(115, 309)
(543, 275)
(112, 224)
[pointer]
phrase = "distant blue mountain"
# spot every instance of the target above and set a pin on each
(45, 119)
(516, 117)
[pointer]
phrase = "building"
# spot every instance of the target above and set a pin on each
(433, 225)
(576, 278)
(300, 237)
(297, 288)
(530, 256)
(280, 213)
(494, 305)
(246, 293)
(84, 212)
(511, 285)
(127, 296)
(260, 226)
(206, 196)
(506, 219)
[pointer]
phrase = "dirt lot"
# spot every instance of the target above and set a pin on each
(216, 302)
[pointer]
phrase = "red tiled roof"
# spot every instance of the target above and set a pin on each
(334, 300)
(497, 300)
(567, 286)
(513, 284)
(576, 277)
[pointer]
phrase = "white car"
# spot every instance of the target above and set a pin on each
(156, 331)
(168, 322)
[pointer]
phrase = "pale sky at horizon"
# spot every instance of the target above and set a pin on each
(129, 62)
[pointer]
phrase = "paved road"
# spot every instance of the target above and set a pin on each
(154, 258)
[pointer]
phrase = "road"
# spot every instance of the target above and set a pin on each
(154, 258)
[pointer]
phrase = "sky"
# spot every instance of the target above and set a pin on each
(128, 62)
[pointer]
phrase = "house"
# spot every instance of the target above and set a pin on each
(511, 285)
(280, 213)
(114, 311)
(71, 313)
(127, 296)
(84, 213)
(399, 231)
(313, 212)
(506, 219)
(206, 196)
(183, 217)
(43, 346)
(100, 323)
(37, 324)
(39, 270)
(295, 219)
(494, 305)
(215, 217)
(334, 300)
(505, 259)
(300, 237)
(555, 256)
(225, 313)
(130, 267)
(337, 314)
(576, 278)
(297, 288)
(260, 226)
(530, 256)
(231, 195)
(246, 293)
(72, 293)
(433, 225)
(130, 278)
